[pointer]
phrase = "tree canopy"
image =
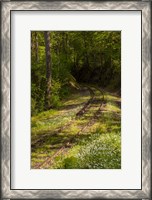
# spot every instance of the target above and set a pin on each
(61, 60)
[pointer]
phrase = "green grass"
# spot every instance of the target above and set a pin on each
(100, 152)
(97, 147)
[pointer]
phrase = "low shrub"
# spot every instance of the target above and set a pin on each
(100, 153)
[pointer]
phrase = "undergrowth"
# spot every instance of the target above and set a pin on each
(98, 147)
(100, 151)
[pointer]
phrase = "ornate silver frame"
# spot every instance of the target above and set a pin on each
(145, 8)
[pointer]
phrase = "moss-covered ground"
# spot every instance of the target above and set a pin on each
(92, 140)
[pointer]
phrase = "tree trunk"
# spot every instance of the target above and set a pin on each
(48, 70)
(86, 50)
(32, 42)
(36, 47)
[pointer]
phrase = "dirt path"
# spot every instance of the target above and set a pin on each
(89, 113)
(40, 140)
(97, 111)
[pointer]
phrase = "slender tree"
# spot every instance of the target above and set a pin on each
(48, 69)
(86, 49)
(36, 47)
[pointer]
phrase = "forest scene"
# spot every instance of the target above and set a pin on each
(76, 100)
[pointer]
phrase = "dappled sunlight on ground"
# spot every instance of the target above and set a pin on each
(53, 129)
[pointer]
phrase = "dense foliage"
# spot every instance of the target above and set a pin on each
(75, 57)
(75, 100)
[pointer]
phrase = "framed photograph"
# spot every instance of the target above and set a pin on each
(76, 90)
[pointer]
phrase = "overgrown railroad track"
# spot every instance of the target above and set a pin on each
(96, 102)
(44, 137)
